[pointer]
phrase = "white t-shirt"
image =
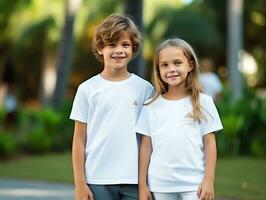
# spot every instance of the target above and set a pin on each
(177, 160)
(110, 110)
(211, 84)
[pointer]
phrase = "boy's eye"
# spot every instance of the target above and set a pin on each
(111, 44)
(126, 45)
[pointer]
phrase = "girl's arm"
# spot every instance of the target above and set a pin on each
(206, 188)
(144, 160)
(82, 191)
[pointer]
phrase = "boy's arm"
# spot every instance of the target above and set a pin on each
(206, 188)
(78, 161)
(144, 160)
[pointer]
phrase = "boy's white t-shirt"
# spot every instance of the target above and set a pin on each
(110, 110)
(177, 160)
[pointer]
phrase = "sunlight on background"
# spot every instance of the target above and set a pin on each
(258, 18)
(152, 7)
(249, 68)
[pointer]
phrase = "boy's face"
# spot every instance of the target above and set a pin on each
(117, 55)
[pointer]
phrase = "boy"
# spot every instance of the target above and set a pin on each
(105, 110)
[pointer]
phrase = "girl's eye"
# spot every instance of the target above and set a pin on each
(164, 65)
(177, 63)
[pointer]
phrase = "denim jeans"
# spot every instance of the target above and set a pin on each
(114, 192)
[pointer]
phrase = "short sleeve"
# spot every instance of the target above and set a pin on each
(143, 122)
(149, 92)
(211, 122)
(80, 106)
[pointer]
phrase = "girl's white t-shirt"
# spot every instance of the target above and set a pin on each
(110, 110)
(177, 160)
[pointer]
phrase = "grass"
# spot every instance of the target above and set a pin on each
(50, 167)
(241, 178)
(236, 178)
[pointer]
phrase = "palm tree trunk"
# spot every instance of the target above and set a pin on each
(134, 9)
(65, 54)
(235, 46)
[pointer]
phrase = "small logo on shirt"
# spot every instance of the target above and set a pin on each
(135, 103)
(189, 115)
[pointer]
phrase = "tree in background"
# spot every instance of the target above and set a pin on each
(6, 10)
(65, 53)
(135, 10)
(189, 24)
(254, 27)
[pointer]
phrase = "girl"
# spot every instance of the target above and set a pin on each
(178, 149)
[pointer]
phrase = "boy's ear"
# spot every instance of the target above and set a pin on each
(100, 52)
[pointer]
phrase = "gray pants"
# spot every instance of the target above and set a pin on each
(115, 192)
(176, 196)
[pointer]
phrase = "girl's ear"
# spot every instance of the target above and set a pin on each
(191, 66)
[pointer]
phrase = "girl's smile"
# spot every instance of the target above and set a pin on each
(172, 76)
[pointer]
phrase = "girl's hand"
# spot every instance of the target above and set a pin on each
(206, 190)
(83, 193)
(144, 193)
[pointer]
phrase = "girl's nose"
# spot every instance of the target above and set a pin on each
(171, 68)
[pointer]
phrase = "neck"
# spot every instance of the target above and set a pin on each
(115, 75)
(175, 93)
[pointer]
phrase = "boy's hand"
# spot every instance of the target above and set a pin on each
(83, 193)
(144, 193)
(206, 190)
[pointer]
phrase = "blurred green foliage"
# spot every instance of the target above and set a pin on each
(244, 125)
(7, 145)
(37, 131)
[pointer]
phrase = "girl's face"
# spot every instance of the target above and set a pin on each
(173, 66)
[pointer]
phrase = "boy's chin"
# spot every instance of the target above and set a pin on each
(120, 66)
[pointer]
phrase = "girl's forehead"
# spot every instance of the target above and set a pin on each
(172, 52)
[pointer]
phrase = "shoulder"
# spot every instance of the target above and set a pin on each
(153, 104)
(89, 83)
(204, 98)
(141, 81)
(207, 103)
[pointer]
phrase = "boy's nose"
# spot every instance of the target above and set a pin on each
(118, 49)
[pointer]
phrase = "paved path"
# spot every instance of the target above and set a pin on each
(11, 189)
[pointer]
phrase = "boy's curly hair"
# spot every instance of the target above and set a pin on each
(110, 30)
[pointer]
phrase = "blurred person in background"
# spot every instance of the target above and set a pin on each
(8, 101)
(209, 80)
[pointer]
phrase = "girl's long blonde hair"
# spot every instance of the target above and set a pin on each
(192, 82)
